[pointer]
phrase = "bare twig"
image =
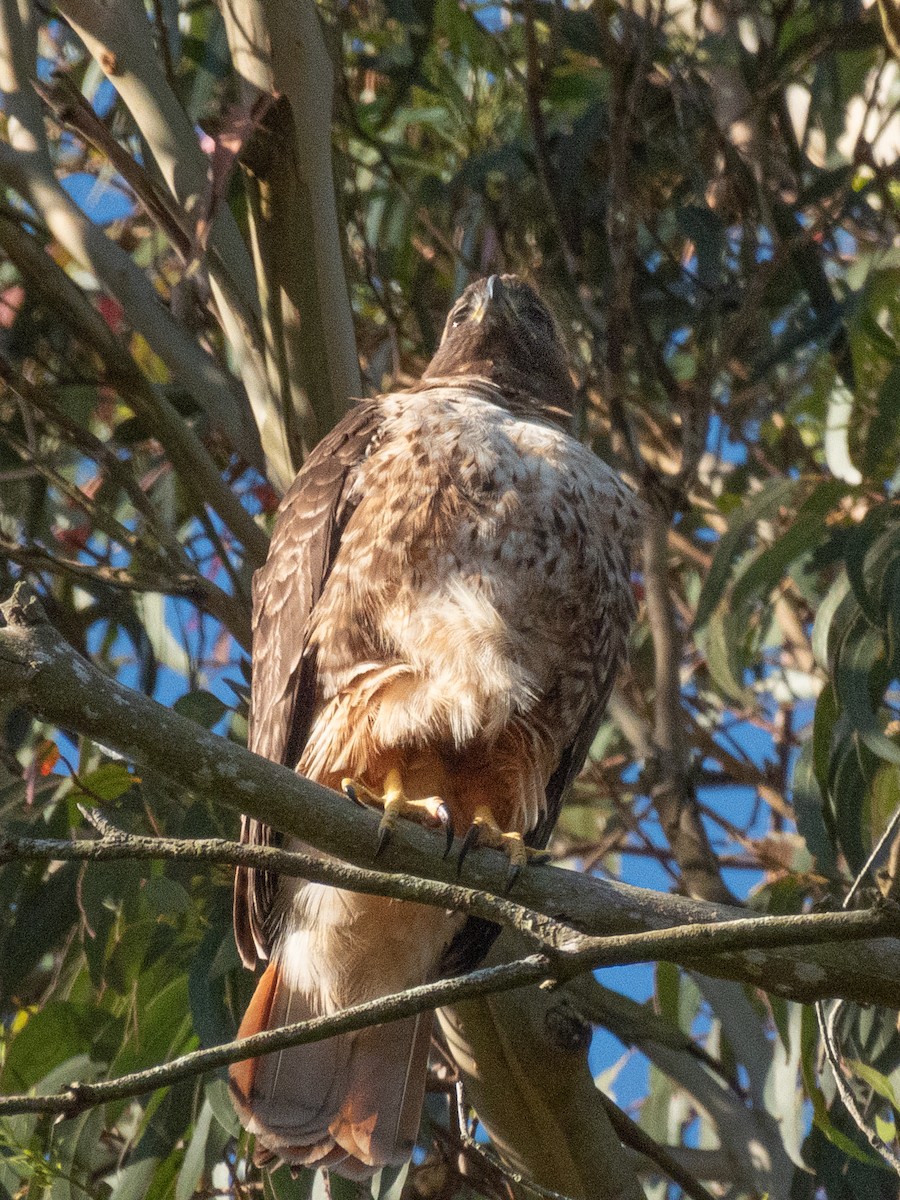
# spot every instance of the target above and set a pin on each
(187, 585)
(80, 1096)
(99, 516)
(673, 793)
(115, 845)
(741, 1123)
(750, 934)
(827, 1021)
(196, 469)
(42, 672)
(26, 166)
(492, 1159)
(112, 466)
(632, 1135)
(554, 937)
(73, 112)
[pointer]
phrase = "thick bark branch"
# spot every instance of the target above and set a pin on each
(39, 669)
(279, 52)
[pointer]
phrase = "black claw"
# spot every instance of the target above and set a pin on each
(443, 814)
(350, 792)
(512, 875)
(385, 835)
(470, 840)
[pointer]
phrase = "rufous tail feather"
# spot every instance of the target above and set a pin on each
(351, 1102)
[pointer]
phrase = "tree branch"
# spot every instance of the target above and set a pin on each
(196, 469)
(40, 671)
(120, 39)
(73, 112)
(164, 567)
(26, 166)
(592, 953)
(115, 845)
(631, 1134)
(279, 51)
(203, 593)
(741, 1127)
(80, 1096)
(673, 794)
(577, 950)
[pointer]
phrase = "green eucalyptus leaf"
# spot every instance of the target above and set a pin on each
(828, 609)
(849, 798)
(884, 428)
(809, 810)
(741, 525)
(55, 1035)
(762, 574)
(202, 707)
(723, 637)
(195, 1156)
(107, 783)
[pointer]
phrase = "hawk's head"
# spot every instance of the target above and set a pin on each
(500, 328)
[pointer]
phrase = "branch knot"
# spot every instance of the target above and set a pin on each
(24, 609)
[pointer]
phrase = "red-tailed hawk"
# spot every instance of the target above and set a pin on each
(442, 614)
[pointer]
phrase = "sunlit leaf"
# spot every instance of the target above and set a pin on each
(107, 783)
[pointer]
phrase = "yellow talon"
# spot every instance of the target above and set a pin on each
(484, 831)
(395, 804)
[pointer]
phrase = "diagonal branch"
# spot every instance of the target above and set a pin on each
(164, 567)
(72, 111)
(121, 40)
(552, 968)
(557, 940)
(186, 585)
(26, 166)
(40, 671)
(80, 1096)
(542, 932)
(196, 469)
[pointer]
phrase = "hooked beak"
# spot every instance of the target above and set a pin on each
(494, 296)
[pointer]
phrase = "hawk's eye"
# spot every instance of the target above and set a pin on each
(462, 313)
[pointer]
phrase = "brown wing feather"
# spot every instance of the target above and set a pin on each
(573, 759)
(307, 534)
